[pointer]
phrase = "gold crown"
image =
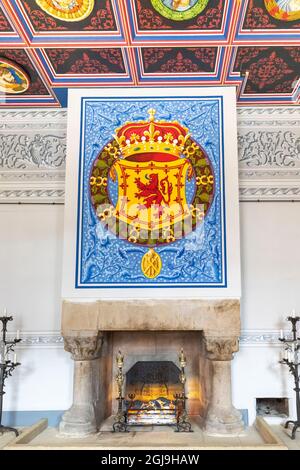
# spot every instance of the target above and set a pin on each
(151, 137)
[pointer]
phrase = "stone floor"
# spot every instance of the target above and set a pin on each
(155, 438)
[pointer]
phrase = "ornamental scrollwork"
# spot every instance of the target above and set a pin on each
(23, 151)
(268, 148)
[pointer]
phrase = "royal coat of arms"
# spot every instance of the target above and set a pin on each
(151, 185)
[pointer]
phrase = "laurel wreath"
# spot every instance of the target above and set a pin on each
(105, 210)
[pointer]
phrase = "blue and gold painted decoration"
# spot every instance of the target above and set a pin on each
(179, 10)
(13, 79)
(67, 10)
(284, 10)
(151, 193)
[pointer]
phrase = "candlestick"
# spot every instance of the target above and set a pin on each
(293, 313)
(292, 347)
(6, 366)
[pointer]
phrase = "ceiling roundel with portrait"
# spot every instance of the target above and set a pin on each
(284, 10)
(179, 10)
(67, 10)
(12, 78)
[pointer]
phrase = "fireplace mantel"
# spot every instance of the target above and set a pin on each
(89, 327)
(213, 316)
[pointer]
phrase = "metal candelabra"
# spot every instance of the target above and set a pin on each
(292, 346)
(6, 366)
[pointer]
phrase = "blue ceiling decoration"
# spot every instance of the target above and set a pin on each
(117, 43)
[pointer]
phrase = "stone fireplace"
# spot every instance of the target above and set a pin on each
(151, 331)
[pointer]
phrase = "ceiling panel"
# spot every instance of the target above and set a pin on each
(212, 25)
(252, 44)
(8, 34)
(85, 66)
(38, 27)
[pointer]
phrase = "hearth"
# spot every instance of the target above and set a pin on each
(151, 388)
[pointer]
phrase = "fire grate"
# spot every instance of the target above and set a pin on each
(154, 395)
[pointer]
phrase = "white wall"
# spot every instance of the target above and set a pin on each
(30, 288)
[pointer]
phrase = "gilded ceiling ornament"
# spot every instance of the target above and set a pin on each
(67, 10)
(12, 78)
(284, 10)
(179, 10)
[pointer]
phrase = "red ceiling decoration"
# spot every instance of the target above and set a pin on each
(131, 43)
(86, 61)
(5, 26)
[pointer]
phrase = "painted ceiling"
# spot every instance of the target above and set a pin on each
(48, 46)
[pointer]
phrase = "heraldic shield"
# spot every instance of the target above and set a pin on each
(151, 185)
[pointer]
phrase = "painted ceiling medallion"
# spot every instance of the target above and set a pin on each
(12, 78)
(179, 10)
(284, 10)
(67, 10)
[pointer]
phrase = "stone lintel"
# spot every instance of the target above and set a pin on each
(213, 316)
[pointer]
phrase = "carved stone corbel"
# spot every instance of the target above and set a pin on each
(221, 348)
(84, 348)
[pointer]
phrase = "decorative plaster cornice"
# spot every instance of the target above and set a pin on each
(33, 152)
(283, 111)
(54, 339)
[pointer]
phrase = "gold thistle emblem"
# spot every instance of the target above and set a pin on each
(67, 10)
(151, 264)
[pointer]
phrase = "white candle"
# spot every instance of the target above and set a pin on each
(5, 312)
(18, 334)
(281, 334)
(293, 313)
(285, 354)
(15, 358)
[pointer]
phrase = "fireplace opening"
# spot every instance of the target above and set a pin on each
(150, 392)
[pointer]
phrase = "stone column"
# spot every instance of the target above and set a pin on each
(222, 418)
(80, 419)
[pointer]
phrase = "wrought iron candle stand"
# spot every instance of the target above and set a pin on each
(182, 425)
(292, 347)
(6, 367)
(120, 424)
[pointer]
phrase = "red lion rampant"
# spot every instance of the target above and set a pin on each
(155, 192)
